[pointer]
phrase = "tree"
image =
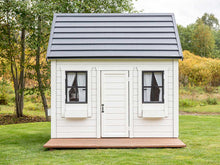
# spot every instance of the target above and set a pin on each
(210, 20)
(93, 6)
(14, 23)
(203, 41)
(41, 12)
(186, 34)
(216, 51)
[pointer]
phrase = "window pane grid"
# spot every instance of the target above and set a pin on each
(152, 86)
(76, 87)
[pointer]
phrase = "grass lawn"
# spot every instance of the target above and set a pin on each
(23, 144)
(207, 109)
(38, 111)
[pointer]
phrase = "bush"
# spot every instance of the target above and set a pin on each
(187, 103)
(3, 99)
(211, 101)
(4, 88)
(199, 71)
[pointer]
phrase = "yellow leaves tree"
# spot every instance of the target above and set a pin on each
(203, 41)
(199, 71)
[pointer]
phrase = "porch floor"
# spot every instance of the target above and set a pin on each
(115, 143)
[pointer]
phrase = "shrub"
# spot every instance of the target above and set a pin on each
(199, 71)
(211, 101)
(3, 99)
(187, 103)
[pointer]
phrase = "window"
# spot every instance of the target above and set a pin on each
(76, 87)
(152, 87)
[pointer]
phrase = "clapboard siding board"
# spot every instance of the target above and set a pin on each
(67, 128)
(72, 35)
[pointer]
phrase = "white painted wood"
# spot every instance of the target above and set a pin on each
(139, 83)
(130, 103)
(153, 114)
(63, 78)
(175, 98)
(154, 110)
(89, 94)
(166, 89)
(76, 110)
(98, 94)
(117, 83)
(90, 126)
(49, 112)
(53, 100)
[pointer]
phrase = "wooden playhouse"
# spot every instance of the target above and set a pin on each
(114, 81)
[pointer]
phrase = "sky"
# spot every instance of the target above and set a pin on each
(186, 11)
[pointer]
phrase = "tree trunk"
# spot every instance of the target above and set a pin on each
(17, 74)
(13, 70)
(40, 83)
(21, 80)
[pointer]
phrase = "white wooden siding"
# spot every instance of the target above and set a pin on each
(53, 99)
(90, 127)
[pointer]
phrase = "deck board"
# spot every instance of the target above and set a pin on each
(115, 143)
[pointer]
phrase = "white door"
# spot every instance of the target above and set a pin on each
(114, 103)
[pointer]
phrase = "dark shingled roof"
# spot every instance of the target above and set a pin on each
(145, 35)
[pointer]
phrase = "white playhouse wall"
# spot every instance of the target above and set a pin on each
(89, 127)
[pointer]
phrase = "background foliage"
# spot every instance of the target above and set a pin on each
(200, 40)
(202, 37)
(199, 71)
(24, 32)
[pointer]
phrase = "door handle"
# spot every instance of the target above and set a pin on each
(102, 108)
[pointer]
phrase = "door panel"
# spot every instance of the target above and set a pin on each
(114, 101)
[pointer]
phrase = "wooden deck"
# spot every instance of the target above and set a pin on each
(115, 143)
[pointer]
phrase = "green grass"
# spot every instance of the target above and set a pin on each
(30, 109)
(202, 109)
(23, 144)
(200, 99)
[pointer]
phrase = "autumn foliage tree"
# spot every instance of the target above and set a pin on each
(203, 41)
(14, 25)
(24, 31)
